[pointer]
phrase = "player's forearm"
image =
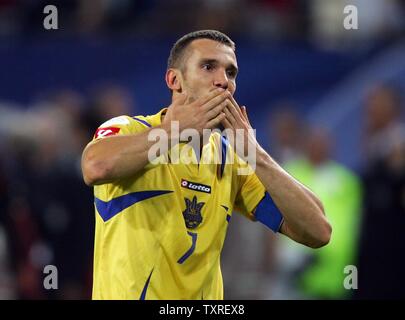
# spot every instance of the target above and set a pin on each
(117, 157)
(304, 218)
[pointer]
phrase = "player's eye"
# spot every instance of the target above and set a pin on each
(231, 73)
(207, 66)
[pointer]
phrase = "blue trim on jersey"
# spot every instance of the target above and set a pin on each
(225, 207)
(143, 122)
(109, 209)
(145, 288)
(228, 217)
(192, 248)
(268, 213)
(224, 144)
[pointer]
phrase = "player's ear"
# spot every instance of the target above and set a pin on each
(173, 79)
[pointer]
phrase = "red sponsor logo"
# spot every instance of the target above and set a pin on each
(105, 132)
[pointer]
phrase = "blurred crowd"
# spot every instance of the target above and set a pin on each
(48, 215)
(314, 19)
(47, 211)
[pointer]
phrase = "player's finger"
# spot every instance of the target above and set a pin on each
(236, 105)
(229, 115)
(216, 110)
(244, 112)
(217, 120)
(234, 109)
(212, 94)
(215, 101)
(180, 99)
(226, 123)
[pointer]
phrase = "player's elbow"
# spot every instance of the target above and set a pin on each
(323, 235)
(94, 170)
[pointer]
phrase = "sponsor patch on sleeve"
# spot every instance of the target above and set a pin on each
(105, 132)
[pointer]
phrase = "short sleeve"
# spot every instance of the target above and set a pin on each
(116, 126)
(255, 202)
(251, 192)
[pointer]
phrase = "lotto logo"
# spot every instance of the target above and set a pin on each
(105, 132)
(195, 186)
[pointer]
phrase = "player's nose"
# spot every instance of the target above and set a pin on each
(221, 80)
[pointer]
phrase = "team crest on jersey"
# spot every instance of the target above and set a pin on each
(192, 214)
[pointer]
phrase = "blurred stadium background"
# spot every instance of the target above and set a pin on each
(328, 103)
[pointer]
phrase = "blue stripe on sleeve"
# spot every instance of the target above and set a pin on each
(143, 122)
(268, 213)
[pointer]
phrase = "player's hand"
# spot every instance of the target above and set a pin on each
(204, 113)
(237, 122)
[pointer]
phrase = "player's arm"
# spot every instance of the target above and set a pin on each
(303, 215)
(115, 157)
(120, 156)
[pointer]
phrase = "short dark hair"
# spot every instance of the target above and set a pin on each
(178, 49)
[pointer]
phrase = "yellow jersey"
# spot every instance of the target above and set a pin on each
(159, 233)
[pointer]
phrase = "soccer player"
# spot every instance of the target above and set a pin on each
(160, 227)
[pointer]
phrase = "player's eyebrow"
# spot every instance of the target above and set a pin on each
(209, 61)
